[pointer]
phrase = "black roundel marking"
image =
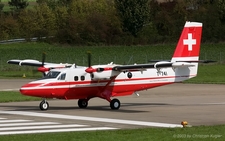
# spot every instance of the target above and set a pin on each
(129, 74)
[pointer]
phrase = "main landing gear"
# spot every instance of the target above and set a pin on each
(44, 105)
(114, 104)
(82, 103)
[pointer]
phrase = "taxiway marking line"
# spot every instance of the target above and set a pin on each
(57, 130)
(219, 103)
(107, 120)
(42, 127)
(19, 120)
(26, 124)
(10, 89)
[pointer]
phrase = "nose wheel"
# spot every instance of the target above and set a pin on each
(115, 104)
(44, 105)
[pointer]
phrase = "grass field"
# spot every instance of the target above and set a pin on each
(12, 96)
(208, 73)
(201, 133)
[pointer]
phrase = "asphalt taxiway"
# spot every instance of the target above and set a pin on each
(166, 106)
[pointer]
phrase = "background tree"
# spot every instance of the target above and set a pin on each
(28, 23)
(46, 20)
(168, 18)
(1, 6)
(134, 14)
(92, 22)
(18, 4)
(64, 2)
(9, 28)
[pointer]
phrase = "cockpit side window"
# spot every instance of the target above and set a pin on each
(51, 74)
(62, 76)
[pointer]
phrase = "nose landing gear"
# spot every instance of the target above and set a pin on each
(44, 105)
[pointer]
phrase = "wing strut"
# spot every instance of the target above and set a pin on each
(104, 93)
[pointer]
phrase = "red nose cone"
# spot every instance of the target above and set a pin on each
(23, 89)
(90, 70)
(43, 69)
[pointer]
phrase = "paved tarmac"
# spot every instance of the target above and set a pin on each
(166, 106)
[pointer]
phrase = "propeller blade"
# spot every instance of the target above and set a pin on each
(43, 58)
(89, 59)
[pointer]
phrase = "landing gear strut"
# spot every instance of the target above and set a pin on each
(83, 103)
(44, 105)
(115, 104)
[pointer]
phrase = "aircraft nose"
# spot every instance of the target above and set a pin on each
(22, 91)
(27, 89)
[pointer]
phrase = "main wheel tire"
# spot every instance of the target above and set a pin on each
(115, 104)
(82, 103)
(44, 105)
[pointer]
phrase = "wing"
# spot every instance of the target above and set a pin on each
(158, 65)
(36, 63)
(27, 62)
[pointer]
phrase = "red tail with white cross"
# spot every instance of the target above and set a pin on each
(189, 43)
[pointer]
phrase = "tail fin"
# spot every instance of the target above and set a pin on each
(188, 46)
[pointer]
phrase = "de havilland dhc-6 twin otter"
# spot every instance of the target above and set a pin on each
(68, 81)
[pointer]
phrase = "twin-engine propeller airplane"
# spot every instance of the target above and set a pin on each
(111, 80)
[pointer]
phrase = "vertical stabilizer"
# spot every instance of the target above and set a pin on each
(188, 46)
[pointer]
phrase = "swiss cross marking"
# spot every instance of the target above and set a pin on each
(190, 42)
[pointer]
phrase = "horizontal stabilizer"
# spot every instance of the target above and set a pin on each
(182, 64)
(197, 61)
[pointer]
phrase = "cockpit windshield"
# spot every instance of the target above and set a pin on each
(51, 74)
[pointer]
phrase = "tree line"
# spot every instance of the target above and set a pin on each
(110, 22)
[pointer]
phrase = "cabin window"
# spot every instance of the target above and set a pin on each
(82, 78)
(75, 78)
(62, 76)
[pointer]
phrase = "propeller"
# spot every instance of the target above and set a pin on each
(89, 58)
(90, 69)
(43, 58)
(42, 68)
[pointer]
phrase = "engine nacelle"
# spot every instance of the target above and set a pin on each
(104, 75)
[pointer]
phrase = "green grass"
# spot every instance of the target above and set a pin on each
(11, 96)
(208, 73)
(31, 74)
(211, 74)
(201, 133)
